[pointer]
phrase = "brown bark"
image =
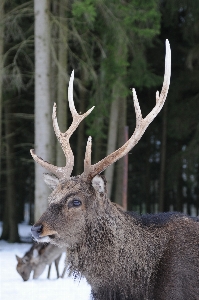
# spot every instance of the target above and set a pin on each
(115, 114)
(112, 136)
(148, 176)
(121, 140)
(179, 195)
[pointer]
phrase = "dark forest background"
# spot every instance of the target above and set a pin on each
(113, 46)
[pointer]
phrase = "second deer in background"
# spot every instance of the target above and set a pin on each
(37, 258)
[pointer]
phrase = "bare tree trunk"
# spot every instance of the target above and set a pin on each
(121, 51)
(163, 159)
(54, 69)
(43, 109)
(121, 141)
(148, 176)
(10, 228)
(112, 136)
(197, 190)
(1, 72)
(62, 79)
(179, 194)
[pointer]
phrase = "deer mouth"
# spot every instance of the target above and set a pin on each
(52, 236)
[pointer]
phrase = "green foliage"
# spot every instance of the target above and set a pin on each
(140, 74)
(84, 9)
(142, 17)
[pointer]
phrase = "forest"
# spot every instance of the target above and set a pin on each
(112, 46)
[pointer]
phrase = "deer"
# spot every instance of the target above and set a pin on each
(121, 254)
(37, 258)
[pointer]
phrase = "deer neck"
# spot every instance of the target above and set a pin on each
(99, 245)
(100, 256)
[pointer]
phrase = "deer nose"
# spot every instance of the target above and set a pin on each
(36, 230)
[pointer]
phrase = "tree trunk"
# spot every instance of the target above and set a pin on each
(117, 95)
(147, 192)
(1, 72)
(112, 136)
(43, 109)
(197, 190)
(179, 194)
(121, 141)
(163, 159)
(62, 80)
(10, 228)
(54, 69)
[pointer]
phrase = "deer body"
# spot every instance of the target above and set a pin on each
(36, 260)
(122, 255)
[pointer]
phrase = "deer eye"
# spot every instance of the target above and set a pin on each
(74, 203)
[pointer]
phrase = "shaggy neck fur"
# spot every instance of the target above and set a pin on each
(116, 255)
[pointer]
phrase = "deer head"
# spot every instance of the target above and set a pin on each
(24, 267)
(76, 202)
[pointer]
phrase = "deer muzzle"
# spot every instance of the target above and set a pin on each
(41, 233)
(36, 231)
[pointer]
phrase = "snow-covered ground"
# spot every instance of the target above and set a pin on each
(12, 287)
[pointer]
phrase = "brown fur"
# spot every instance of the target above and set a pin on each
(123, 255)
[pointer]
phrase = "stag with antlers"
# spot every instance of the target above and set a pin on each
(122, 255)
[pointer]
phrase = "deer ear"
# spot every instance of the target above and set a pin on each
(18, 258)
(99, 184)
(51, 180)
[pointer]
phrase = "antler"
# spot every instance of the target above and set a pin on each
(63, 138)
(141, 125)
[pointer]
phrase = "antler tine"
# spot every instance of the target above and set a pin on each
(76, 117)
(138, 112)
(70, 95)
(160, 99)
(141, 124)
(55, 123)
(53, 169)
(74, 113)
(87, 160)
(63, 138)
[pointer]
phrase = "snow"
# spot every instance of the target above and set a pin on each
(13, 287)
